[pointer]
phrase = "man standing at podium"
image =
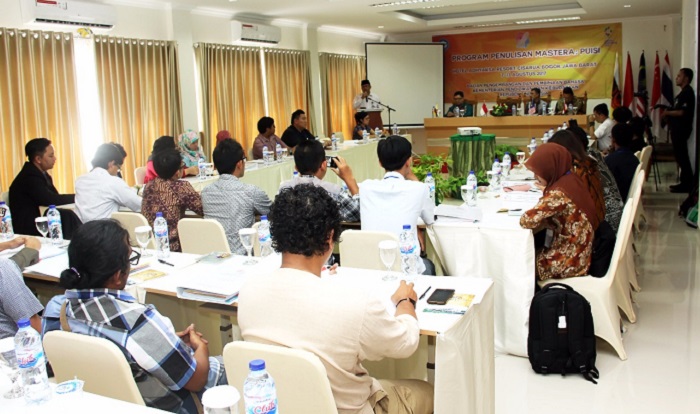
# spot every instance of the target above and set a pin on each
(366, 100)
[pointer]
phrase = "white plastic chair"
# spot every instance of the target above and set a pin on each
(359, 249)
(97, 361)
(131, 220)
(140, 175)
(202, 236)
(600, 292)
(300, 377)
(256, 242)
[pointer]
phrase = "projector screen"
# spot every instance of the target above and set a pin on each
(407, 77)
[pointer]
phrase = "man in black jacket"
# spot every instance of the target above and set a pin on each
(680, 121)
(33, 187)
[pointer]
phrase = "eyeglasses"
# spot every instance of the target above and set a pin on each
(135, 257)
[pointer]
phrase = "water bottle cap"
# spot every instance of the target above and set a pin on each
(52, 206)
(159, 214)
(471, 172)
(263, 218)
(430, 174)
(507, 153)
(407, 227)
(2, 203)
(264, 146)
(23, 323)
(256, 365)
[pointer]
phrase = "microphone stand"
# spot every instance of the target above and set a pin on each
(385, 106)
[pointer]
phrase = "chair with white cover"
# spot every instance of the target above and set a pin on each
(360, 249)
(601, 292)
(202, 236)
(130, 220)
(635, 197)
(644, 161)
(90, 358)
(300, 377)
(140, 175)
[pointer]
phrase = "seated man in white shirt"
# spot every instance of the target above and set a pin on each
(100, 192)
(603, 133)
(399, 198)
(311, 163)
(334, 319)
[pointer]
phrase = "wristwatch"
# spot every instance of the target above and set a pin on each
(413, 302)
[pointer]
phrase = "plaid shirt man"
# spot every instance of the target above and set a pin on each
(161, 363)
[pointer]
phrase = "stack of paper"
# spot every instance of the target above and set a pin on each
(457, 305)
(212, 287)
(464, 213)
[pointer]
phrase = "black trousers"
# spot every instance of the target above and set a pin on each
(680, 150)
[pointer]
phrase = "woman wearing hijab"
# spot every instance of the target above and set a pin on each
(164, 143)
(565, 211)
(189, 148)
(222, 135)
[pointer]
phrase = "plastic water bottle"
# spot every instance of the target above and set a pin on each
(365, 136)
(471, 189)
(264, 236)
(345, 189)
(259, 392)
(544, 108)
(6, 217)
(32, 363)
(334, 142)
(278, 152)
(506, 163)
(160, 230)
(430, 182)
(563, 126)
(266, 155)
(545, 137)
(377, 132)
(395, 129)
(551, 132)
(532, 146)
(202, 169)
(295, 176)
(496, 165)
(409, 251)
(55, 226)
(514, 110)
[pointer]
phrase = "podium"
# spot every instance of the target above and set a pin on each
(375, 118)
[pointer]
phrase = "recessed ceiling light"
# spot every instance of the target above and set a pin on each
(627, 6)
(556, 19)
(380, 27)
(401, 3)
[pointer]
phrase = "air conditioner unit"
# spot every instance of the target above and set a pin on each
(70, 13)
(254, 32)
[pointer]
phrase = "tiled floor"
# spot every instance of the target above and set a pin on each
(662, 372)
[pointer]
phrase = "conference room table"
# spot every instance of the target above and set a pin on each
(361, 157)
(464, 350)
(495, 247)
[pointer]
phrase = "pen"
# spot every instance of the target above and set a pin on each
(424, 293)
(165, 263)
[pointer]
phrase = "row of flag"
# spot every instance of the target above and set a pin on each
(639, 102)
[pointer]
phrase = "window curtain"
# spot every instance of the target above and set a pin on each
(38, 98)
(139, 89)
(288, 85)
(340, 82)
(231, 91)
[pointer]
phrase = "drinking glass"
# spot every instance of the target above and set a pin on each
(520, 156)
(209, 169)
(247, 237)
(387, 253)
(8, 365)
(284, 153)
(42, 224)
(143, 237)
(574, 110)
(490, 179)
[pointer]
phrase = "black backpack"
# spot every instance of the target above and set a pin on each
(561, 337)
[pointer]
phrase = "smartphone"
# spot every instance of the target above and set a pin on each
(441, 296)
(331, 162)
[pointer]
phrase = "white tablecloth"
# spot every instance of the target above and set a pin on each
(499, 249)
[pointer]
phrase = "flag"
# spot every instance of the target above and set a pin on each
(628, 94)
(484, 109)
(616, 100)
(655, 98)
(666, 83)
(640, 108)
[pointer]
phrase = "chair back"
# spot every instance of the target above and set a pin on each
(6, 197)
(130, 220)
(645, 159)
(300, 378)
(635, 195)
(637, 176)
(97, 361)
(360, 249)
(256, 242)
(140, 175)
(472, 104)
(510, 101)
(202, 236)
(623, 234)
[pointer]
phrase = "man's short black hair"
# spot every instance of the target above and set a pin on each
(264, 123)
(688, 73)
(226, 155)
(622, 135)
(393, 152)
(622, 114)
(308, 156)
(120, 147)
(296, 114)
(163, 143)
(459, 93)
(36, 147)
(580, 134)
(167, 163)
(602, 109)
(567, 90)
(536, 90)
(359, 116)
(106, 153)
(302, 219)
